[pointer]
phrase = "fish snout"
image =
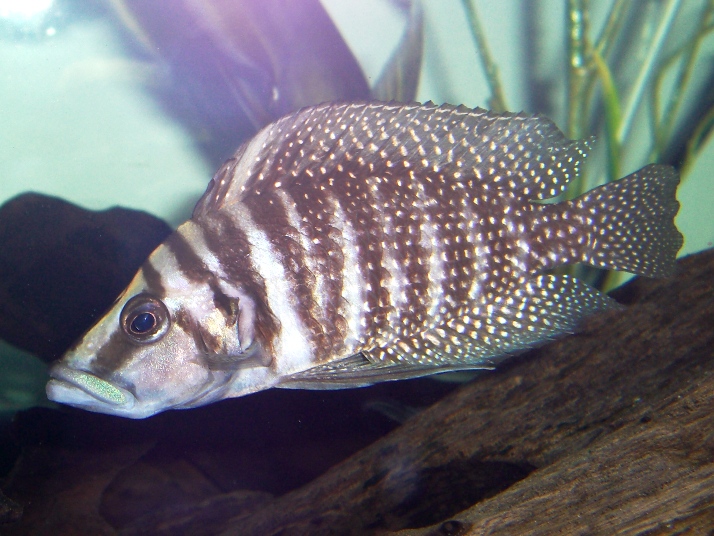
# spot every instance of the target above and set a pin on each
(79, 388)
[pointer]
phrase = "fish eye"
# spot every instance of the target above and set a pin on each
(145, 319)
(143, 323)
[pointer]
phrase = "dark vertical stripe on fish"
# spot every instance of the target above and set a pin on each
(112, 354)
(313, 207)
(364, 217)
(231, 247)
(182, 318)
(193, 267)
(154, 281)
(268, 213)
(190, 264)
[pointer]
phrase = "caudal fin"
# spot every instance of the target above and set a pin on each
(631, 222)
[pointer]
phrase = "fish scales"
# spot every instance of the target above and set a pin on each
(352, 243)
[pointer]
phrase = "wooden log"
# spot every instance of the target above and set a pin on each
(610, 430)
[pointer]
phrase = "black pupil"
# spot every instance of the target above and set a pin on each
(143, 323)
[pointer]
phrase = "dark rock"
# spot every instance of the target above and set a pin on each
(62, 266)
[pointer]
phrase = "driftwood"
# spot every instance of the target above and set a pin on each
(613, 429)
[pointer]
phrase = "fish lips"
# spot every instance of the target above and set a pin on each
(83, 389)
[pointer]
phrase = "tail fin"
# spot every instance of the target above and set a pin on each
(630, 222)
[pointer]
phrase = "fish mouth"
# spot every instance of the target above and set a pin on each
(80, 388)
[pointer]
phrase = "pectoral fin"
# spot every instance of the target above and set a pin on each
(254, 356)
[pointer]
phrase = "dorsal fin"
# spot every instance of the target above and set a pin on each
(527, 155)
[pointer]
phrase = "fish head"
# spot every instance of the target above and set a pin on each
(156, 349)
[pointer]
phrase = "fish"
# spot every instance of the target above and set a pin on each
(352, 243)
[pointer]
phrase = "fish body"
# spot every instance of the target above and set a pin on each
(347, 244)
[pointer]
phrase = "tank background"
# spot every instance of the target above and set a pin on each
(77, 122)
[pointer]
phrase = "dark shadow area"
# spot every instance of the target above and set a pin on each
(442, 492)
(202, 463)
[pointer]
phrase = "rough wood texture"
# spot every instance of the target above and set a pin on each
(618, 420)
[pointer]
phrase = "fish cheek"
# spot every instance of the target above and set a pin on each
(166, 371)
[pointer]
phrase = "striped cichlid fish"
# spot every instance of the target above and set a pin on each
(348, 244)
